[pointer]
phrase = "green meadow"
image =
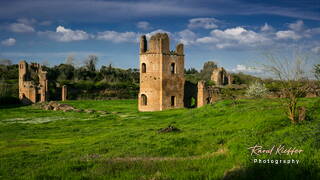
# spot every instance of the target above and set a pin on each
(125, 144)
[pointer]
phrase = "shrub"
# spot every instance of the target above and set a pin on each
(256, 90)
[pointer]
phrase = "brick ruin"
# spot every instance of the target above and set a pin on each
(64, 93)
(203, 97)
(220, 77)
(161, 74)
(33, 83)
(162, 82)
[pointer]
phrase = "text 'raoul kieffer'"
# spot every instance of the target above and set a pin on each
(281, 149)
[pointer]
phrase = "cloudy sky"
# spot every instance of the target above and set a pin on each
(232, 33)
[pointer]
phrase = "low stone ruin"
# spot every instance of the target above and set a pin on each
(55, 106)
(52, 105)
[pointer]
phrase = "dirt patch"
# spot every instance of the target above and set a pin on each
(133, 159)
(38, 120)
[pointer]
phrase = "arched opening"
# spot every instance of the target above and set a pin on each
(143, 68)
(144, 100)
(173, 68)
(38, 97)
(173, 99)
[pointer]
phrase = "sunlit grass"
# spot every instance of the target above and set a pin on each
(41, 144)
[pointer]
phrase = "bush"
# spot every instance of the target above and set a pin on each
(256, 90)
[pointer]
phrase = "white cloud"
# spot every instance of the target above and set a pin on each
(9, 42)
(206, 23)
(207, 40)
(297, 26)
(237, 37)
(21, 28)
(239, 34)
(246, 69)
(144, 25)
(118, 36)
(316, 49)
(287, 35)
(187, 37)
(63, 34)
(266, 27)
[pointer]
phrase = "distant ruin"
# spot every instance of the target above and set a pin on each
(33, 83)
(220, 77)
(64, 93)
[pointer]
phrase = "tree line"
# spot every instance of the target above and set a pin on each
(89, 82)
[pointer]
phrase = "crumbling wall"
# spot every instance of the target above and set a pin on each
(32, 89)
(220, 77)
(203, 94)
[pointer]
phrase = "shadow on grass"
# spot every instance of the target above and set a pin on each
(10, 102)
(8, 106)
(267, 172)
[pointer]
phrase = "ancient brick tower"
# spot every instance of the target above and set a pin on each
(32, 90)
(161, 74)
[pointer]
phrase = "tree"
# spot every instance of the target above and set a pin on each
(241, 78)
(317, 71)
(66, 72)
(91, 62)
(293, 79)
(6, 62)
(191, 71)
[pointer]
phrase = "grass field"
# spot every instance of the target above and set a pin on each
(212, 144)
